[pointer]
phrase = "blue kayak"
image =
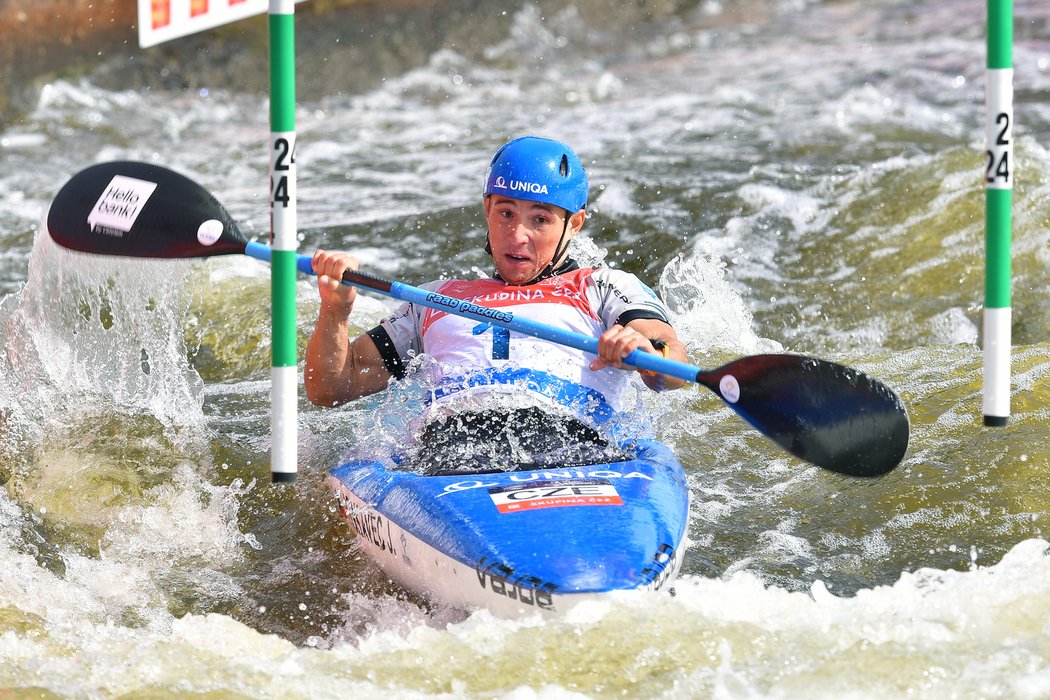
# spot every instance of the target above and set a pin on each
(516, 541)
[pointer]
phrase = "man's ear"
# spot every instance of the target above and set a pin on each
(576, 220)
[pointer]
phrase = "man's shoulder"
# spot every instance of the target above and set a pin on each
(614, 276)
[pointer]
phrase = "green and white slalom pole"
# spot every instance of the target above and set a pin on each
(999, 177)
(283, 240)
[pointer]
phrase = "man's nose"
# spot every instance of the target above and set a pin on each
(521, 231)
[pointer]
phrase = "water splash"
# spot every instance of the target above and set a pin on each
(708, 313)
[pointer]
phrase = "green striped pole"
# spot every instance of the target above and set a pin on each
(283, 240)
(999, 177)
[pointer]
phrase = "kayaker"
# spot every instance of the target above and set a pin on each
(483, 379)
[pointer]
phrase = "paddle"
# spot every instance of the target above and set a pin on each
(827, 414)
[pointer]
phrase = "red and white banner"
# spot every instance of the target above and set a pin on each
(163, 20)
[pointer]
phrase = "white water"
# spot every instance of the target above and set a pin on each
(803, 178)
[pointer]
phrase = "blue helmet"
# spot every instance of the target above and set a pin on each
(539, 170)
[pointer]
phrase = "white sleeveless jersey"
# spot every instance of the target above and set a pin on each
(476, 360)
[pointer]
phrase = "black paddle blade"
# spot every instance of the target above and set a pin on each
(827, 414)
(140, 210)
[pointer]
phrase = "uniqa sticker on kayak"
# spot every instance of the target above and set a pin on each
(534, 477)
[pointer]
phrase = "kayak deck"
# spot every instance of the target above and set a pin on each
(513, 541)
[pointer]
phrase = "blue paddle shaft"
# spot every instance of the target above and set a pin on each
(504, 319)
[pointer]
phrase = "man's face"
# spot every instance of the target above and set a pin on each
(524, 235)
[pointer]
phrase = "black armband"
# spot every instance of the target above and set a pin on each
(387, 351)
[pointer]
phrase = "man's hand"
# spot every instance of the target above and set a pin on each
(336, 297)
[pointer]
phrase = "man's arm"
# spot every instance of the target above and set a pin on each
(676, 350)
(620, 341)
(337, 370)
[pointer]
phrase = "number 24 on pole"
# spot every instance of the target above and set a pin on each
(279, 181)
(999, 155)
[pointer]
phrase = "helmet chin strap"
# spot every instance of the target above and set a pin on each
(559, 251)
